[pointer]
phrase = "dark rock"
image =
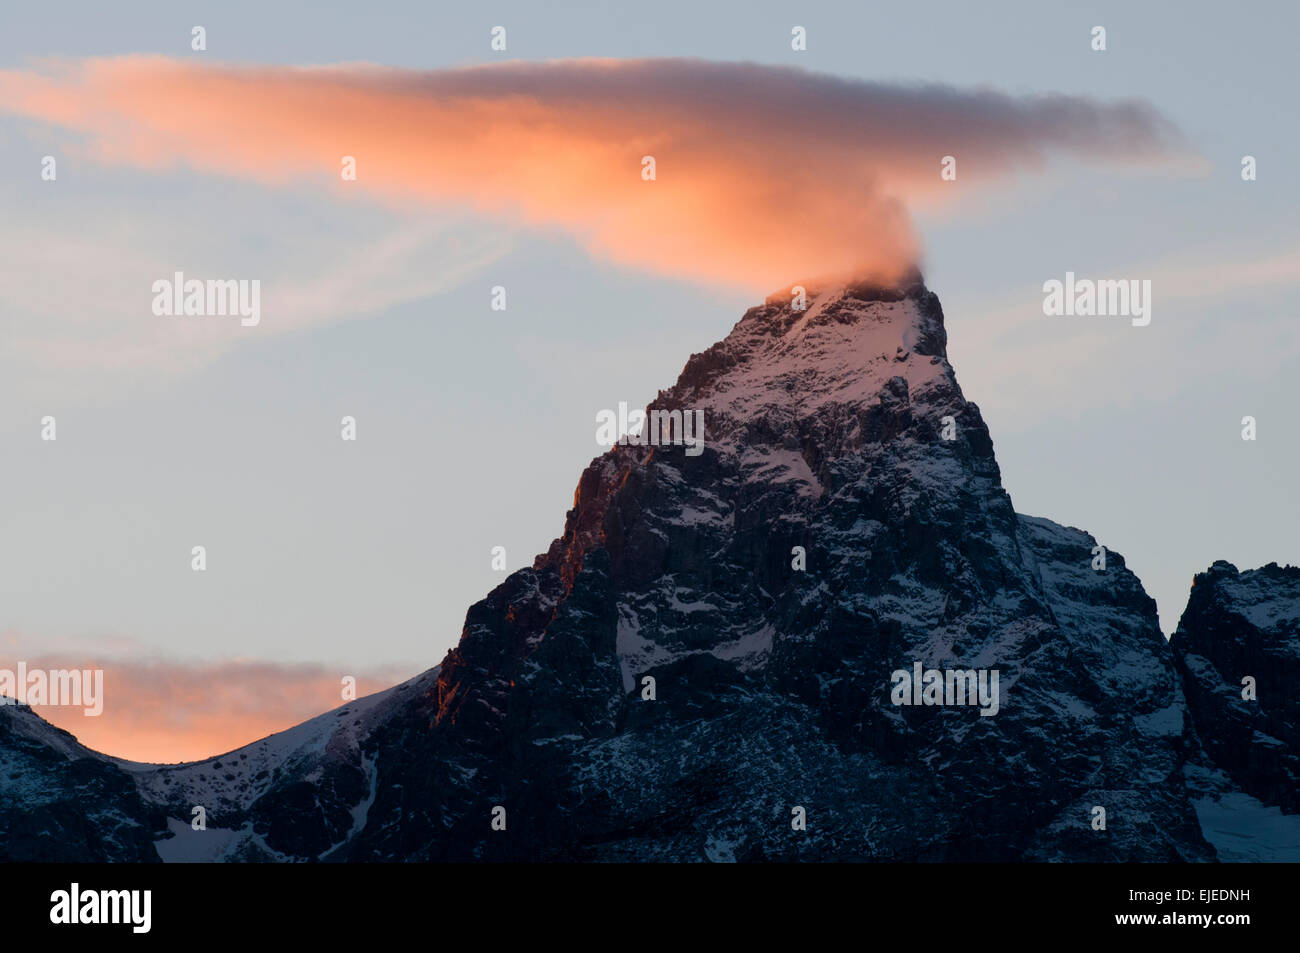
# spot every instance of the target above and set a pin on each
(1240, 625)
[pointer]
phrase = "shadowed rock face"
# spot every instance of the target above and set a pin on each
(844, 521)
(823, 431)
(1240, 625)
(60, 802)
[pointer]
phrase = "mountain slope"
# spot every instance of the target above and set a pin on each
(295, 795)
(702, 665)
(772, 684)
(61, 802)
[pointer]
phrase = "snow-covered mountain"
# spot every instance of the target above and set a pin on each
(845, 521)
(61, 802)
(1237, 649)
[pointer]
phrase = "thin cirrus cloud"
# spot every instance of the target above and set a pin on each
(76, 276)
(763, 174)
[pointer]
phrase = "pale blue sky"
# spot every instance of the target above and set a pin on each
(474, 425)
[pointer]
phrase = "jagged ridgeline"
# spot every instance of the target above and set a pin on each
(707, 663)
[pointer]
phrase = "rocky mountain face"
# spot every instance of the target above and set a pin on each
(60, 802)
(1237, 649)
(703, 665)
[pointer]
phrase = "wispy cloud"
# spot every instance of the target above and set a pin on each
(764, 174)
(1228, 308)
(76, 274)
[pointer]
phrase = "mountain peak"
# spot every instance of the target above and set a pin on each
(843, 349)
(863, 288)
(802, 396)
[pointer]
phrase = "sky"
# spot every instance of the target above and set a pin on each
(328, 558)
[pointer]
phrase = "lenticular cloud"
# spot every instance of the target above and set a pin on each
(761, 174)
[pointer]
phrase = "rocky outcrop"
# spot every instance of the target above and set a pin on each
(60, 802)
(1237, 648)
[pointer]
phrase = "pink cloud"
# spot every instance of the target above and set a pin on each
(166, 711)
(764, 174)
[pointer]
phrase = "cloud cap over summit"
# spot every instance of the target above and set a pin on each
(762, 174)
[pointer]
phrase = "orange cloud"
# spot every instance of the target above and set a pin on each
(763, 174)
(159, 711)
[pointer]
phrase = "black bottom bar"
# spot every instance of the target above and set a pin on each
(950, 902)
